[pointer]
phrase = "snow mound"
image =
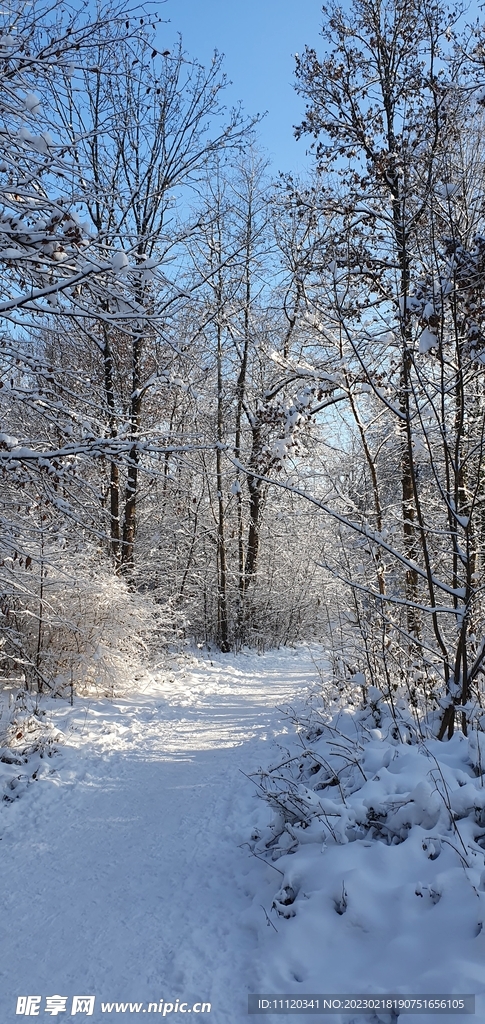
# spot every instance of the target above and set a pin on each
(379, 839)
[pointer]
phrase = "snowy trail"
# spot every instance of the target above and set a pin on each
(122, 874)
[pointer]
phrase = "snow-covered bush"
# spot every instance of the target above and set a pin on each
(361, 767)
(74, 625)
(377, 830)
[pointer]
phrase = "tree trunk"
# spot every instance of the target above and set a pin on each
(129, 518)
(222, 612)
(114, 488)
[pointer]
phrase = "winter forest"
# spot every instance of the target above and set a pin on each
(242, 464)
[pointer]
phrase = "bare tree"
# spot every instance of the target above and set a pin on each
(392, 298)
(147, 133)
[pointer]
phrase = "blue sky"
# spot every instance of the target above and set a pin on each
(258, 38)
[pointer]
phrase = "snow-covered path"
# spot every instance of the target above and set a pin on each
(122, 873)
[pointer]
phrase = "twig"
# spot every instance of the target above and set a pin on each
(268, 862)
(268, 919)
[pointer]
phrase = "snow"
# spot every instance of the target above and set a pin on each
(11, 253)
(140, 863)
(120, 261)
(7, 440)
(32, 103)
(379, 837)
(40, 143)
(280, 448)
(148, 268)
(25, 134)
(123, 872)
(427, 341)
(358, 679)
(428, 311)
